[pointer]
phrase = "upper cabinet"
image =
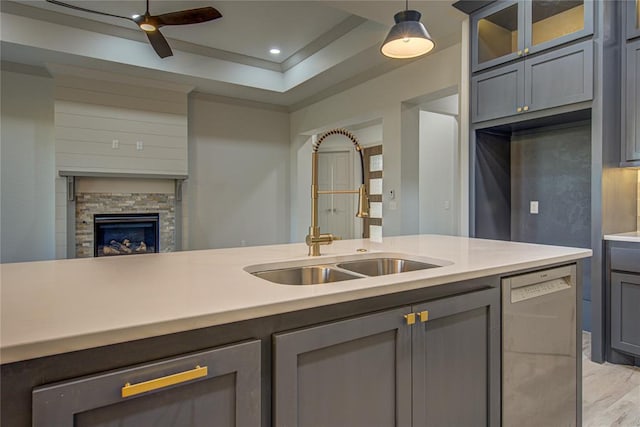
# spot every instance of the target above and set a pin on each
(552, 79)
(509, 30)
(633, 18)
(631, 102)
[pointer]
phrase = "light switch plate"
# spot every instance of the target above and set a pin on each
(533, 207)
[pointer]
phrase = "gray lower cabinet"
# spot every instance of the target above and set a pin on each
(560, 77)
(218, 387)
(385, 370)
(456, 362)
(631, 95)
(625, 313)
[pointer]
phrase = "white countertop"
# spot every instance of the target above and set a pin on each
(632, 236)
(52, 307)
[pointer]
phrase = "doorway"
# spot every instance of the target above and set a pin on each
(439, 170)
(335, 211)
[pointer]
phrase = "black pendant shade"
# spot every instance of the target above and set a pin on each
(408, 38)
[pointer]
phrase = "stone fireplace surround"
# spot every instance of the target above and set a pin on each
(110, 193)
(90, 204)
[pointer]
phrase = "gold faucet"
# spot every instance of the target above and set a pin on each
(314, 239)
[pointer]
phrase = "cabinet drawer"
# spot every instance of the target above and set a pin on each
(625, 259)
(215, 387)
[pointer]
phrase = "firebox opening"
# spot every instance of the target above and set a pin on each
(125, 234)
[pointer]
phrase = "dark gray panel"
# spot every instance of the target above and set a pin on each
(354, 372)
(625, 316)
(493, 186)
(564, 76)
(229, 394)
(552, 166)
(456, 362)
(497, 93)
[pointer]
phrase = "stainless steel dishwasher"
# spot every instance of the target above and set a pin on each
(539, 384)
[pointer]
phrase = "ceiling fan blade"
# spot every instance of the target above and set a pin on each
(70, 6)
(159, 43)
(190, 16)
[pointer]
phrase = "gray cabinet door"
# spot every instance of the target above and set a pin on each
(456, 361)
(561, 77)
(355, 372)
(625, 315)
(497, 93)
(631, 146)
(218, 387)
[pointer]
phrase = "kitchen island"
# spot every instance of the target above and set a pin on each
(99, 320)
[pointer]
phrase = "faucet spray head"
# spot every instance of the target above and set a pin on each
(363, 203)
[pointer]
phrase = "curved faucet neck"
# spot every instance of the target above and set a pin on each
(351, 136)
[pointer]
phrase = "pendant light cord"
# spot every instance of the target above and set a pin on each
(406, 4)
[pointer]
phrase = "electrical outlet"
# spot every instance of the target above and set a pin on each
(139, 145)
(115, 144)
(533, 207)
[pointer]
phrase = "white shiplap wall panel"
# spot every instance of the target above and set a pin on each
(115, 101)
(90, 114)
(124, 165)
(70, 86)
(84, 120)
(127, 149)
(122, 113)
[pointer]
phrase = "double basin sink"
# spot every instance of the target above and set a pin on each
(340, 269)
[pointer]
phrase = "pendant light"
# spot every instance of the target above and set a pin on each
(408, 38)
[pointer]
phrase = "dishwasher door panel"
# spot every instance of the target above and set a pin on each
(539, 349)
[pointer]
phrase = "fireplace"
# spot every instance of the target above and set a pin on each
(125, 234)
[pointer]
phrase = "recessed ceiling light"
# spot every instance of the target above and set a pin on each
(274, 51)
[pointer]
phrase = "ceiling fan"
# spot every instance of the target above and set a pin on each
(151, 24)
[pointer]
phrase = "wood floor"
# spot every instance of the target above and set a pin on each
(610, 393)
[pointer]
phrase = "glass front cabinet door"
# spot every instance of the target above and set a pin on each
(633, 18)
(508, 30)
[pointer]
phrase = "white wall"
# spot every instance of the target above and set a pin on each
(239, 174)
(27, 206)
(381, 97)
(438, 173)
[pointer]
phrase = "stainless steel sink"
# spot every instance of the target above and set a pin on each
(382, 266)
(307, 275)
(338, 269)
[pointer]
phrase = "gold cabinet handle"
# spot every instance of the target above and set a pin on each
(519, 109)
(526, 50)
(519, 53)
(526, 108)
(411, 318)
(158, 383)
(423, 316)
